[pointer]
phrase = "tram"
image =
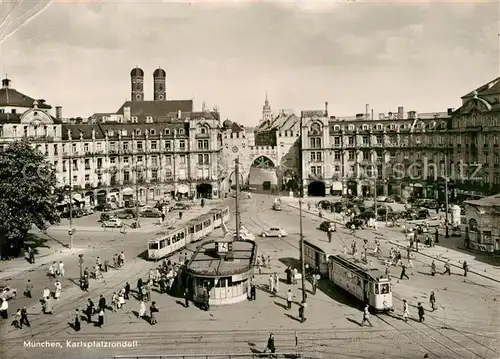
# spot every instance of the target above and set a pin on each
(194, 230)
(368, 285)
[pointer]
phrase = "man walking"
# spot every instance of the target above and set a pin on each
(366, 316)
(289, 299)
(447, 268)
(102, 303)
(433, 268)
(24, 317)
(186, 298)
(465, 267)
(127, 290)
(421, 312)
(432, 301)
(271, 283)
(406, 312)
(270, 344)
(329, 234)
(29, 288)
(90, 310)
(403, 272)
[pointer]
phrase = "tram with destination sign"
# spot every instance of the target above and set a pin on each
(192, 231)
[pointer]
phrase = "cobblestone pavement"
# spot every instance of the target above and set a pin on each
(466, 324)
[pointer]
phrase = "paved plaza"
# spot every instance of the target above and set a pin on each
(465, 325)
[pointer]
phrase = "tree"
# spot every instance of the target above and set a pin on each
(27, 195)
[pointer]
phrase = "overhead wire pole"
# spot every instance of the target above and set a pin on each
(302, 254)
(447, 234)
(70, 232)
(237, 178)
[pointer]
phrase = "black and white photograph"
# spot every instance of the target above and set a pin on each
(249, 179)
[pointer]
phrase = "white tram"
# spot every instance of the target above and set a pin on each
(192, 231)
(368, 285)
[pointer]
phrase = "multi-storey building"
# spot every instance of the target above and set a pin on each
(396, 153)
(147, 150)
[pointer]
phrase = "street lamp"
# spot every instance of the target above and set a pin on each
(447, 234)
(70, 231)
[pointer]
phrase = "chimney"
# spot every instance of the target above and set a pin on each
(326, 108)
(58, 112)
(93, 134)
(367, 110)
(5, 83)
(401, 112)
(179, 113)
(359, 116)
(41, 101)
(450, 111)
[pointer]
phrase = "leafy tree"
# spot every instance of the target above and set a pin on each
(27, 195)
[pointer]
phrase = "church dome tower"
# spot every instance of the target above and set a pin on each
(137, 84)
(160, 85)
(267, 113)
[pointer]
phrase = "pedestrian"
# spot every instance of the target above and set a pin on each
(270, 345)
(447, 268)
(289, 299)
(366, 316)
(329, 234)
(295, 275)
(61, 269)
(271, 283)
(421, 312)
(4, 308)
(102, 302)
(114, 301)
(180, 215)
(252, 291)
(127, 290)
(24, 317)
(186, 297)
(403, 272)
(163, 217)
(433, 268)
(465, 267)
(436, 236)
(406, 312)
(57, 293)
(314, 283)
(408, 252)
(206, 299)
(153, 310)
(354, 248)
(139, 286)
(432, 301)
(121, 298)
(121, 258)
(100, 322)
(276, 283)
(51, 272)
(268, 261)
(259, 265)
(344, 249)
(90, 310)
(48, 307)
(29, 288)
(32, 255)
(106, 265)
(142, 309)
(302, 308)
(17, 320)
(162, 284)
(76, 323)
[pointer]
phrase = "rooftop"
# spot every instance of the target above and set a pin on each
(490, 201)
(14, 98)
(156, 108)
(205, 260)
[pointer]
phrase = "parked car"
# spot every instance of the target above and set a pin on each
(78, 213)
(127, 213)
(357, 222)
(106, 216)
(8, 293)
(112, 222)
(87, 211)
(277, 207)
(423, 213)
(151, 213)
(102, 207)
(179, 206)
(328, 226)
(274, 232)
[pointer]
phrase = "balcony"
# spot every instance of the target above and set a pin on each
(113, 152)
(202, 135)
(88, 153)
(127, 182)
(316, 177)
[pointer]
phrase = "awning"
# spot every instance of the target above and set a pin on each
(418, 185)
(183, 188)
(128, 191)
(337, 186)
(77, 197)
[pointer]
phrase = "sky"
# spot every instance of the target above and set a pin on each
(421, 55)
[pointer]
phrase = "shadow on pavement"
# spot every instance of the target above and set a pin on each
(353, 321)
(143, 255)
(288, 261)
(338, 294)
(458, 244)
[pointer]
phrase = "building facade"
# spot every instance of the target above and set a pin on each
(482, 224)
(393, 154)
(149, 150)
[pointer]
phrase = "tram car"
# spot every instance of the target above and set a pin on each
(368, 285)
(194, 230)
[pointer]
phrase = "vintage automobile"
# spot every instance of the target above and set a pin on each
(328, 226)
(8, 293)
(274, 232)
(277, 207)
(113, 223)
(357, 222)
(150, 212)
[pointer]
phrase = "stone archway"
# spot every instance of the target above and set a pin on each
(204, 190)
(101, 196)
(316, 189)
(262, 174)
